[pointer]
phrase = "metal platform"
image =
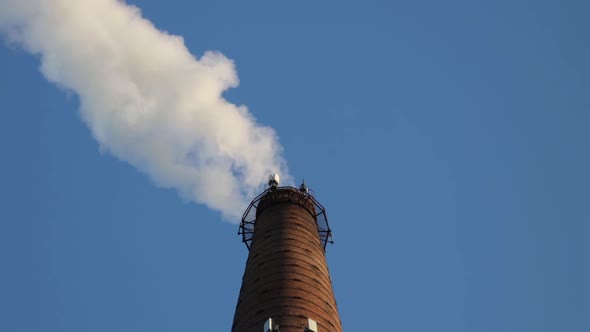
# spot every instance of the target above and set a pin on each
(285, 194)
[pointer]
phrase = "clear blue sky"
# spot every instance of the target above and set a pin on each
(448, 140)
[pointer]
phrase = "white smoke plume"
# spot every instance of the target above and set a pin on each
(147, 100)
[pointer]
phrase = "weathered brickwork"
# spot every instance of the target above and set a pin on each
(286, 276)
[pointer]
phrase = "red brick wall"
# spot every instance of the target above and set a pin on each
(286, 276)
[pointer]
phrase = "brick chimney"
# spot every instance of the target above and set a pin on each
(286, 285)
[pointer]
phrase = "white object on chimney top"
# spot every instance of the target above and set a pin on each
(274, 180)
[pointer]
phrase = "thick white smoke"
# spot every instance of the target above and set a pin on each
(147, 100)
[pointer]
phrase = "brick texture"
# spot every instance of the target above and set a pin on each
(286, 276)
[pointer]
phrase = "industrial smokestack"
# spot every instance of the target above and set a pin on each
(286, 282)
(147, 100)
